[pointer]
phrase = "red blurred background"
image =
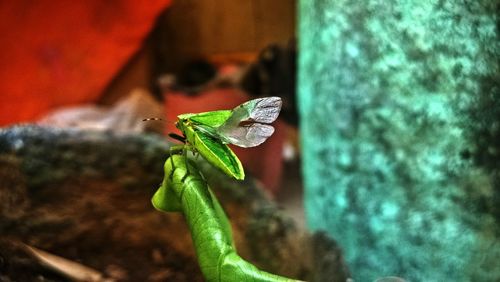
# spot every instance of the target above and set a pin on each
(65, 53)
(55, 53)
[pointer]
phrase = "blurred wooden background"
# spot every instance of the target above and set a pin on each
(195, 28)
(220, 30)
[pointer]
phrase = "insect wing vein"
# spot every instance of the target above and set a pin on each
(249, 136)
(247, 125)
(266, 110)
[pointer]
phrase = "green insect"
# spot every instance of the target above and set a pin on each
(247, 125)
(184, 190)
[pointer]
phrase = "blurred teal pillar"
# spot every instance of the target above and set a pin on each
(400, 127)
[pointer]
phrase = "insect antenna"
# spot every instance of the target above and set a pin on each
(153, 119)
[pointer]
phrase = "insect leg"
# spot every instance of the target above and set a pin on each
(174, 150)
(202, 176)
(195, 152)
(184, 153)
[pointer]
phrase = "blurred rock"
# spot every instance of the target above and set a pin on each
(124, 117)
(85, 196)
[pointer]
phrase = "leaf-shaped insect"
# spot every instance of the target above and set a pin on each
(247, 125)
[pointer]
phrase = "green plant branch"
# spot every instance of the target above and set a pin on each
(184, 190)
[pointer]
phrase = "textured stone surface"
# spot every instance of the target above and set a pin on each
(86, 196)
(400, 124)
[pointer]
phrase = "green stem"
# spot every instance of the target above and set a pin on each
(186, 191)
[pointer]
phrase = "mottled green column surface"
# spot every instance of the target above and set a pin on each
(400, 124)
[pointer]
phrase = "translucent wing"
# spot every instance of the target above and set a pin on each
(262, 110)
(248, 124)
